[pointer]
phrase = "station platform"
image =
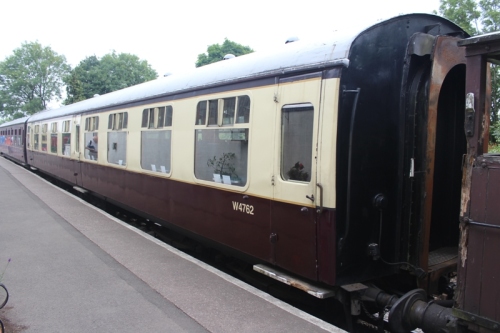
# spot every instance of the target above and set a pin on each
(75, 268)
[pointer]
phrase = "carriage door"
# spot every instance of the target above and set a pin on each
(76, 149)
(293, 210)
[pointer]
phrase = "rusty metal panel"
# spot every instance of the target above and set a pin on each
(445, 58)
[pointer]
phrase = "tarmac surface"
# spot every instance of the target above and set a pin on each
(75, 268)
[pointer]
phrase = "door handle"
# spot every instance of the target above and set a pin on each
(320, 209)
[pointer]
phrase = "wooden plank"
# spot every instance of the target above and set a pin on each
(493, 198)
(473, 275)
(490, 277)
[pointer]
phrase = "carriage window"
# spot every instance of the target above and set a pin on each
(117, 147)
(28, 137)
(91, 144)
(168, 116)
(36, 145)
(201, 113)
(235, 110)
(118, 121)
(92, 124)
(228, 112)
(91, 138)
(66, 138)
(66, 126)
(296, 141)
(243, 115)
(213, 108)
(53, 138)
(53, 143)
(156, 144)
(157, 117)
(221, 154)
(145, 117)
(77, 136)
(161, 117)
(156, 150)
(117, 139)
(44, 137)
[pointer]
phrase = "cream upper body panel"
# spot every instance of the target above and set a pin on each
(263, 144)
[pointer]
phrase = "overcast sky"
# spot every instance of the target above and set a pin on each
(170, 34)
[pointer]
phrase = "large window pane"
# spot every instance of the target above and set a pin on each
(117, 148)
(221, 155)
(44, 142)
(91, 143)
(53, 143)
(66, 144)
(156, 150)
(297, 123)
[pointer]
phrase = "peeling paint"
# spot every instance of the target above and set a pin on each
(464, 228)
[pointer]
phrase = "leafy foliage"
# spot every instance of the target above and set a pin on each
(224, 165)
(216, 52)
(462, 12)
(110, 73)
(491, 22)
(30, 79)
(477, 18)
(495, 131)
(491, 15)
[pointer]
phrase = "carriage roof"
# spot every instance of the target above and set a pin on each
(287, 58)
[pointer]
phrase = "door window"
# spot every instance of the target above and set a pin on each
(297, 121)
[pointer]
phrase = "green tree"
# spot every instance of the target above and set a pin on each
(491, 22)
(81, 81)
(477, 18)
(462, 12)
(216, 52)
(110, 73)
(30, 79)
(490, 15)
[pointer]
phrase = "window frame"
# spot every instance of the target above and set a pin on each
(295, 170)
(219, 122)
(157, 119)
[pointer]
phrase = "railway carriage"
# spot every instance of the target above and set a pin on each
(13, 140)
(334, 162)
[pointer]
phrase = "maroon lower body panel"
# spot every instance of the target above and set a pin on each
(205, 211)
(304, 241)
(61, 167)
(13, 152)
